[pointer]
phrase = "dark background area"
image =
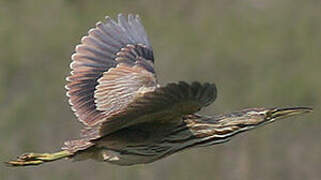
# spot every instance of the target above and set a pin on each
(259, 53)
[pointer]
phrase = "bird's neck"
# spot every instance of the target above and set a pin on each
(200, 131)
(223, 125)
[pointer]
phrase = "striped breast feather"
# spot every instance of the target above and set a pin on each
(106, 46)
(163, 105)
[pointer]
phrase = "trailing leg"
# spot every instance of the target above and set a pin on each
(31, 159)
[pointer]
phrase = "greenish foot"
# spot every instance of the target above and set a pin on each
(32, 159)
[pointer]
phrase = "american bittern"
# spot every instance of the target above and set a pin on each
(128, 117)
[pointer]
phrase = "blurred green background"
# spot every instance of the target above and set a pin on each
(259, 53)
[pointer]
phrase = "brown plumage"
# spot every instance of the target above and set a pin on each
(128, 118)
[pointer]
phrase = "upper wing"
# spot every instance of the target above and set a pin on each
(162, 105)
(111, 66)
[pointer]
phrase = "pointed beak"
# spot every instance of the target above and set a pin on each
(278, 113)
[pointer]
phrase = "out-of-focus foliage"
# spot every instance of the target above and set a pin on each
(259, 53)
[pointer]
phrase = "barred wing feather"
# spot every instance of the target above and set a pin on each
(112, 51)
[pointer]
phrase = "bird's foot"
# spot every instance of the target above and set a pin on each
(32, 159)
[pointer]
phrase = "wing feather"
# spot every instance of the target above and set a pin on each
(162, 105)
(107, 46)
(119, 86)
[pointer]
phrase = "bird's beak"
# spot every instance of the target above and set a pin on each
(278, 113)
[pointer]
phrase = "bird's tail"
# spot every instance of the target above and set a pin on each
(32, 159)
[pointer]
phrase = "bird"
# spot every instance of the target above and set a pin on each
(127, 117)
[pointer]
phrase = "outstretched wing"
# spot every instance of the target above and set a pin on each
(163, 105)
(112, 65)
(113, 83)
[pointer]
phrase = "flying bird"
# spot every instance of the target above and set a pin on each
(127, 117)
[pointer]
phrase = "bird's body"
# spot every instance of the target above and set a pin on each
(128, 117)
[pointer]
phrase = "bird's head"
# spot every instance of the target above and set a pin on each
(218, 129)
(257, 116)
(250, 118)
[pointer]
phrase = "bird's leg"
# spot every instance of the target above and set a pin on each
(29, 159)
